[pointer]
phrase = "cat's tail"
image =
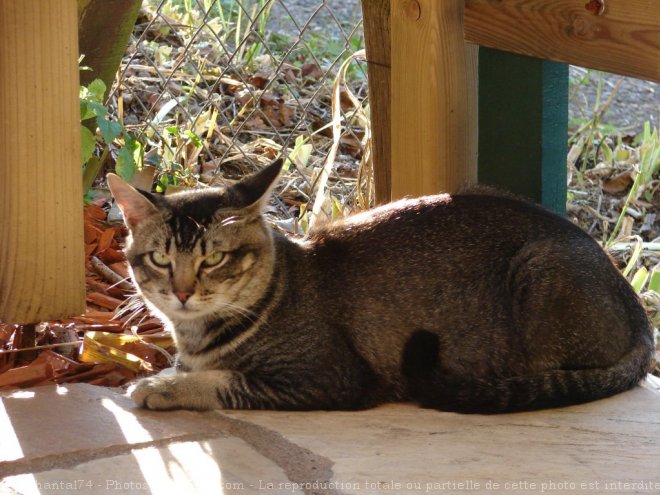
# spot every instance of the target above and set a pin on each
(435, 389)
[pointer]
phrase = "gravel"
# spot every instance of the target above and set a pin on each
(635, 102)
(325, 17)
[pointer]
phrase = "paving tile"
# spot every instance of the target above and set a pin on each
(222, 466)
(590, 448)
(53, 436)
(56, 420)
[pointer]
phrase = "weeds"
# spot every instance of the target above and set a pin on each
(649, 163)
(210, 92)
(109, 132)
(613, 191)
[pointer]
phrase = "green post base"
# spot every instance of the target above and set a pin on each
(523, 126)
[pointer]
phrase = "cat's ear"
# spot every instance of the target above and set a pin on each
(252, 192)
(132, 203)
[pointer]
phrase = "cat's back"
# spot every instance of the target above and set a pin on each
(469, 217)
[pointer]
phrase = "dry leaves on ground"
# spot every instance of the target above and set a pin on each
(114, 341)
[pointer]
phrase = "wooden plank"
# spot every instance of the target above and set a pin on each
(623, 37)
(523, 124)
(376, 15)
(434, 98)
(41, 249)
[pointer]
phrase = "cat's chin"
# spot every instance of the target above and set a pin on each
(185, 313)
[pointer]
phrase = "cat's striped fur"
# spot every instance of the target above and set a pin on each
(473, 302)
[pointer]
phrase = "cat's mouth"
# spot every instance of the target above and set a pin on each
(186, 309)
(172, 307)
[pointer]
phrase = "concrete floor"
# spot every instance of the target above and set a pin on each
(85, 439)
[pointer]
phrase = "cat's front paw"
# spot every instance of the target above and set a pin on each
(156, 393)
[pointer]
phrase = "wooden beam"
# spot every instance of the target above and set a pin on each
(621, 36)
(376, 15)
(42, 265)
(434, 98)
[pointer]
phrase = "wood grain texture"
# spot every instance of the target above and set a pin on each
(434, 98)
(624, 38)
(41, 251)
(376, 15)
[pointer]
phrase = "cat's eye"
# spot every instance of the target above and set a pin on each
(160, 259)
(214, 259)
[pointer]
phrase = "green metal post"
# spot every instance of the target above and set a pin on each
(523, 126)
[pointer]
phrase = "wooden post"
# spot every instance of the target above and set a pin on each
(376, 14)
(42, 272)
(434, 98)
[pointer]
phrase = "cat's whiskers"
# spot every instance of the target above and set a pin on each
(230, 309)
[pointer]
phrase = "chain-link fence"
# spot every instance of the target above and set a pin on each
(214, 89)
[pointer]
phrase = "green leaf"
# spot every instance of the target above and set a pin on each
(97, 108)
(302, 151)
(125, 166)
(608, 155)
(194, 138)
(173, 130)
(85, 111)
(97, 90)
(654, 281)
(639, 279)
(87, 144)
(337, 209)
(138, 152)
(109, 129)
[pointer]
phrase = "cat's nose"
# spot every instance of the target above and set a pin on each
(183, 296)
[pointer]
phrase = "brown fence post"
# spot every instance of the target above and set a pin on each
(42, 272)
(434, 98)
(376, 15)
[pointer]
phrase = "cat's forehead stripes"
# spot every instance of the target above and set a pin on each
(191, 215)
(186, 231)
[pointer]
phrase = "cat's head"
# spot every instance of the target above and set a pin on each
(200, 253)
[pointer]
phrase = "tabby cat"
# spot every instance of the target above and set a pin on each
(470, 302)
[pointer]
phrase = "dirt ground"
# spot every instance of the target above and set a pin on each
(636, 101)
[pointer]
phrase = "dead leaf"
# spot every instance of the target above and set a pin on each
(111, 256)
(105, 239)
(25, 376)
(91, 233)
(261, 78)
(103, 300)
(312, 71)
(351, 145)
(618, 184)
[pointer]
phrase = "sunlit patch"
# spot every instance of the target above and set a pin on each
(133, 431)
(10, 447)
(194, 468)
(149, 460)
(21, 394)
(25, 484)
